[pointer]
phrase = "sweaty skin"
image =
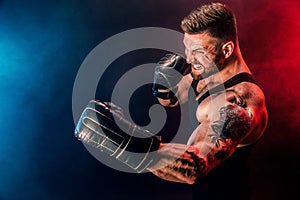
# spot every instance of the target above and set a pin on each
(227, 120)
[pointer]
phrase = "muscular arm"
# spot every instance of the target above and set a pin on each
(214, 143)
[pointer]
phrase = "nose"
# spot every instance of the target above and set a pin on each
(188, 60)
(189, 56)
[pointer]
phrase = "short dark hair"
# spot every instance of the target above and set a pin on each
(215, 18)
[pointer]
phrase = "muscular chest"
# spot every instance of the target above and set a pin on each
(209, 108)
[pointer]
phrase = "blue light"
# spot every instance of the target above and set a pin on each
(31, 59)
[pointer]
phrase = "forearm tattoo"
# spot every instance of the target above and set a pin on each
(187, 168)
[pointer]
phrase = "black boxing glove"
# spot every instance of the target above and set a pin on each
(169, 71)
(103, 126)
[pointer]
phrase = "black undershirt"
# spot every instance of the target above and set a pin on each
(241, 77)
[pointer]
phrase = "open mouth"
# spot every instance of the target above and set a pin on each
(198, 67)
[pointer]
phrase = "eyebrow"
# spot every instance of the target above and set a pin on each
(199, 49)
(197, 46)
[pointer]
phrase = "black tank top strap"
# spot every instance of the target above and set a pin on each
(241, 77)
(194, 86)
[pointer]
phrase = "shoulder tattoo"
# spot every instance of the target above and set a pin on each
(233, 124)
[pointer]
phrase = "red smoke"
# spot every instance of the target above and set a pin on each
(269, 37)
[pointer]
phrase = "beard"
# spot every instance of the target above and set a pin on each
(216, 65)
(197, 77)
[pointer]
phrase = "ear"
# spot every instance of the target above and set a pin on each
(228, 49)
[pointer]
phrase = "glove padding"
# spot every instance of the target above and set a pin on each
(169, 71)
(103, 126)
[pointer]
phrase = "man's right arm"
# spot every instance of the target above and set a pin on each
(172, 80)
(181, 95)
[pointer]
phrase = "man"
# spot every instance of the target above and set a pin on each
(231, 111)
(211, 47)
(212, 50)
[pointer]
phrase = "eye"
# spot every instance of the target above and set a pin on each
(201, 52)
(198, 51)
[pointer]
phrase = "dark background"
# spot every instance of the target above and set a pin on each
(42, 45)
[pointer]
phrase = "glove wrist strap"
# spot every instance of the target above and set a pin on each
(165, 95)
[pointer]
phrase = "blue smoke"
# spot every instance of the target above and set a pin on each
(36, 77)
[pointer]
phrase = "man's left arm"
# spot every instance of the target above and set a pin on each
(216, 141)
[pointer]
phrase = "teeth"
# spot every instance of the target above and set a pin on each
(197, 67)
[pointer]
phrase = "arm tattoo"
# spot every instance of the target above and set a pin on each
(188, 169)
(233, 125)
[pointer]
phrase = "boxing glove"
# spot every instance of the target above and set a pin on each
(103, 126)
(168, 72)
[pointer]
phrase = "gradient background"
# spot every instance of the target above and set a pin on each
(42, 45)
